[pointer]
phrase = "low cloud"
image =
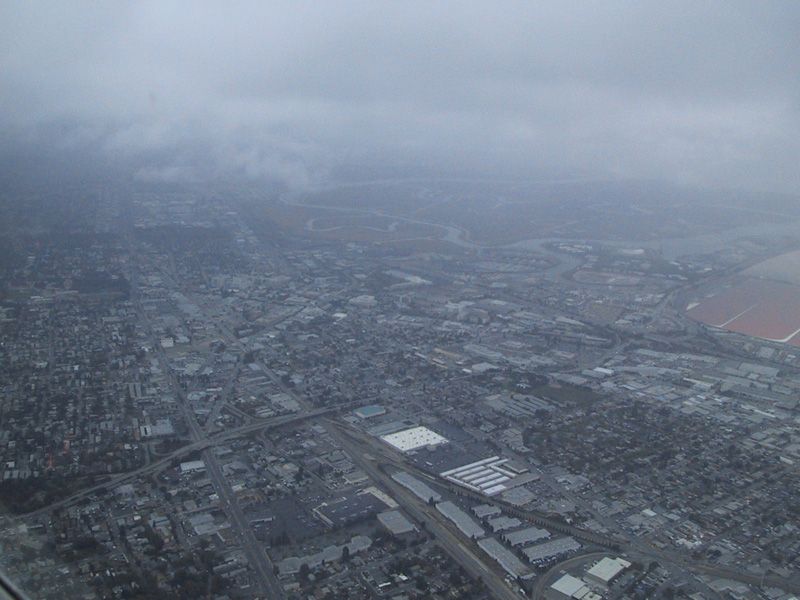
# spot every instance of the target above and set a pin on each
(290, 91)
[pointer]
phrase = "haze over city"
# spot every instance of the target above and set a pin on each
(700, 93)
(401, 301)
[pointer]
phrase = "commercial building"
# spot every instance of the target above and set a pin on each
(607, 570)
(526, 536)
(163, 427)
(503, 523)
(370, 411)
(484, 511)
(396, 522)
(569, 588)
(329, 554)
(504, 557)
(192, 466)
(350, 508)
(489, 476)
(543, 553)
(413, 438)
(461, 520)
(417, 487)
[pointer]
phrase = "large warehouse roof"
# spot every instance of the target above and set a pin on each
(411, 439)
(607, 569)
(489, 475)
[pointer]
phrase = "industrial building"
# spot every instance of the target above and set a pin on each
(526, 536)
(485, 511)
(417, 487)
(504, 557)
(370, 411)
(192, 466)
(162, 428)
(489, 476)
(461, 520)
(544, 553)
(349, 509)
(606, 570)
(396, 522)
(516, 406)
(329, 554)
(413, 438)
(503, 523)
(570, 588)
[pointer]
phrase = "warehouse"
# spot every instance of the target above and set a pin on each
(544, 553)
(192, 466)
(523, 537)
(417, 487)
(370, 411)
(460, 519)
(396, 522)
(503, 523)
(484, 511)
(489, 476)
(414, 438)
(349, 509)
(607, 570)
(568, 588)
(504, 557)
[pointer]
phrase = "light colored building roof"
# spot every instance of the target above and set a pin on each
(369, 411)
(395, 522)
(192, 465)
(510, 563)
(292, 564)
(460, 519)
(526, 536)
(420, 490)
(551, 549)
(488, 476)
(411, 439)
(569, 586)
(504, 523)
(607, 569)
(486, 510)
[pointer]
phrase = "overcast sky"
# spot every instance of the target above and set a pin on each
(705, 93)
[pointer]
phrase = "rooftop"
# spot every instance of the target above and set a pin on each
(411, 439)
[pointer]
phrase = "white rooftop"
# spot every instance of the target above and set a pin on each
(411, 439)
(192, 465)
(569, 586)
(607, 568)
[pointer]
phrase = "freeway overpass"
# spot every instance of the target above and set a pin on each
(181, 452)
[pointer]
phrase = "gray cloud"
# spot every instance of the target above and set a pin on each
(704, 93)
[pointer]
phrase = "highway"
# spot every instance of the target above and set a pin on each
(636, 548)
(168, 460)
(359, 446)
(255, 552)
(268, 584)
(388, 455)
(223, 397)
(460, 550)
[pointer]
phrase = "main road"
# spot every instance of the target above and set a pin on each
(636, 548)
(169, 459)
(460, 551)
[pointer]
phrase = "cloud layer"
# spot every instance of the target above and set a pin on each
(705, 93)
